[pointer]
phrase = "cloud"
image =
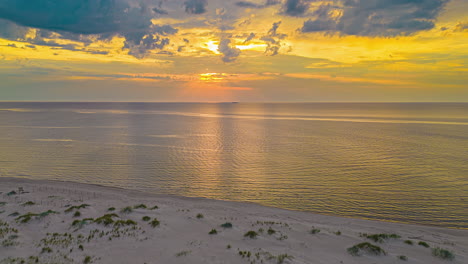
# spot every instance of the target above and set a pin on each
(249, 38)
(375, 17)
(273, 39)
(195, 6)
(295, 7)
(322, 21)
(160, 11)
(77, 19)
(229, 52)
(248, 4)
(461, 27)
(81, 17)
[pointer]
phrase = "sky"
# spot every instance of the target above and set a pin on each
(230, 50)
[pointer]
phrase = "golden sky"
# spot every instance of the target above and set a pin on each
(213, 50)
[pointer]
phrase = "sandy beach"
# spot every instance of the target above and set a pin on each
(66, 222)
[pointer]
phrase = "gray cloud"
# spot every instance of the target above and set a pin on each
(248, 4)
(376, 17)
(82, 17)
(295, 7)
(160, 11)
(195, 6)
(273, 39)
(230, 53)
(249, 38)
(78, 20)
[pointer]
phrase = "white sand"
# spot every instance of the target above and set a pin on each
(182, 232)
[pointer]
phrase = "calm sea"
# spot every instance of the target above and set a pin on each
(394, 162)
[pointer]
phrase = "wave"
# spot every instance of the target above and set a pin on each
(21, 110)
(345, 118)
(53, 140)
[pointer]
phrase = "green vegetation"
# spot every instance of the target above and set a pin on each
(380, 238)
(154, 207)
(2, 203)
(77, 207)
(409, 242)
(120, 223)
(10, 241)
(27, 217)
(80, 247)
(338, 233)
(281, 258)
(14, 214)
(404, 258)
(87, 260)
(443, 253)
(154, 223)
(77, 214)
(46, 250)
(183, 253)
(226, 225)
(251, 234)
(30, 203)
(314, 231)
(424, 244)
(228, 246)
(146, 218)
(46, 213)
(271, 231)
(106, 219)
(213, 232)
(5, 229)
(367, 247)
(140, 206)
(200, 216)
(111, 209)
(126, 210)
(83, 222)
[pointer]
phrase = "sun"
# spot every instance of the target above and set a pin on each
(214, 46)
(212, 77)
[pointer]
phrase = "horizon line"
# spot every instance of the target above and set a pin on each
(223, 102)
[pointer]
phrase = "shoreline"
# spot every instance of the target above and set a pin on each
(195, 198)
(182, 237)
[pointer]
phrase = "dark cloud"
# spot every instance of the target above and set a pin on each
(140, 49)
(376, 17)
(248, 4)
(249, 38)
(9, 30)
(160, 11)
(273, 39)
(295, 7)
(272, 2)
(98, 52)
(82, 17)
(195, 6)
(230, 53)
(77, 20)
(322, 21)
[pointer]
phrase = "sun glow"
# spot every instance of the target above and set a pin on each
(214, 46)
(212, 77)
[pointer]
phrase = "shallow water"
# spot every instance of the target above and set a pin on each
(394, 162)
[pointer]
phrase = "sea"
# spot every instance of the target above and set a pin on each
(398, 162)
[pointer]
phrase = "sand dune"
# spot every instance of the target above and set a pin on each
(148, 228)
